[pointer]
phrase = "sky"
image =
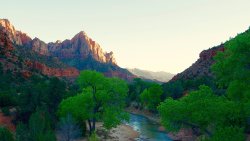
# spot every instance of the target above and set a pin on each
(156, 35)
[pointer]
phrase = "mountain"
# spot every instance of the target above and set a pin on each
(201, 68)
(158, 76)
(61, 59)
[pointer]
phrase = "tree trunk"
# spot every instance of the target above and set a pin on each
(90, 127)
(94, 120)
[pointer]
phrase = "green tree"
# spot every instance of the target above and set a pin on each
(39, 128)
(136, 87)
(232, 70)
(5, 134)
(101, 99)
(151, 97)
(202, 111)
(173, 89)
(232, 67)
(22, 132)
(229, 134)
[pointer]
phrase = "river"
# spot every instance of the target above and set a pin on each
(148, 129)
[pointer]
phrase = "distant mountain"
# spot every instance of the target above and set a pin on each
(61, 59)
(158, 76)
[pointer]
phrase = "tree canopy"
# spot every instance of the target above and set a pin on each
(151, 97)
(101, 99)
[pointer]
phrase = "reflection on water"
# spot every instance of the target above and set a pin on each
(148, 129)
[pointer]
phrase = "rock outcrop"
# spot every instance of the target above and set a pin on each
(58, 72)
(39, 46)
(202, 66)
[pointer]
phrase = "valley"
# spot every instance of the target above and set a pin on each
(73, 90)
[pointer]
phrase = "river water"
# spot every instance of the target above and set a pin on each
(148, 129)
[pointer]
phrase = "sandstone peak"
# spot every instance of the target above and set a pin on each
(10, 31)
(6, 23)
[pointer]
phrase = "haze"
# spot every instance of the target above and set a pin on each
(156, 35)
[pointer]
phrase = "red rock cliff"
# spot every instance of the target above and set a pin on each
(202, 66)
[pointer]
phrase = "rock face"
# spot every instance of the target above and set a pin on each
(39, 46)
(202, 66)
(11, 58)
(61, 59)
(80, 47)
(58, 72)
(12, 33)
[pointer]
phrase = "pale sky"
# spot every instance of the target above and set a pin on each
(156, 35)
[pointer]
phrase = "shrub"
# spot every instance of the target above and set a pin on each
(5, 134)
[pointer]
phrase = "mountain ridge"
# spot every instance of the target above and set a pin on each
(66, 58)
(161, 76)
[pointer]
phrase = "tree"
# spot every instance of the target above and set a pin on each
(202, 111)
(232, 70)
(22, 132)
(229, 134)
(101, 99)
(38, 129)
(5, 134)
(68, 129)
(136, 88)
(232, 67)
(151, 97)
(173, 89)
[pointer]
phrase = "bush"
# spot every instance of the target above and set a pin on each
(6, 111)
(5, 134)
(229, 134)
(93, 137)
(5, 100)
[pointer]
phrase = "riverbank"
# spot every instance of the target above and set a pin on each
(122, 132)
(182, 135)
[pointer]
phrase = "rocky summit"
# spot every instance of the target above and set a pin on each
(61, 59)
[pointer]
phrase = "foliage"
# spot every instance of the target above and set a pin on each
(101, 99)
(5, 134)
(229, 134)
(232, 68)
(22, 132)
(151, 97)
(173, 89)
(93, 137)
(38, 129)
(6, 111)
(68, 129)
(77, 106)
(7, 100)
(202, 110)
(176, 89)
(136, 87)
(28, 94)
